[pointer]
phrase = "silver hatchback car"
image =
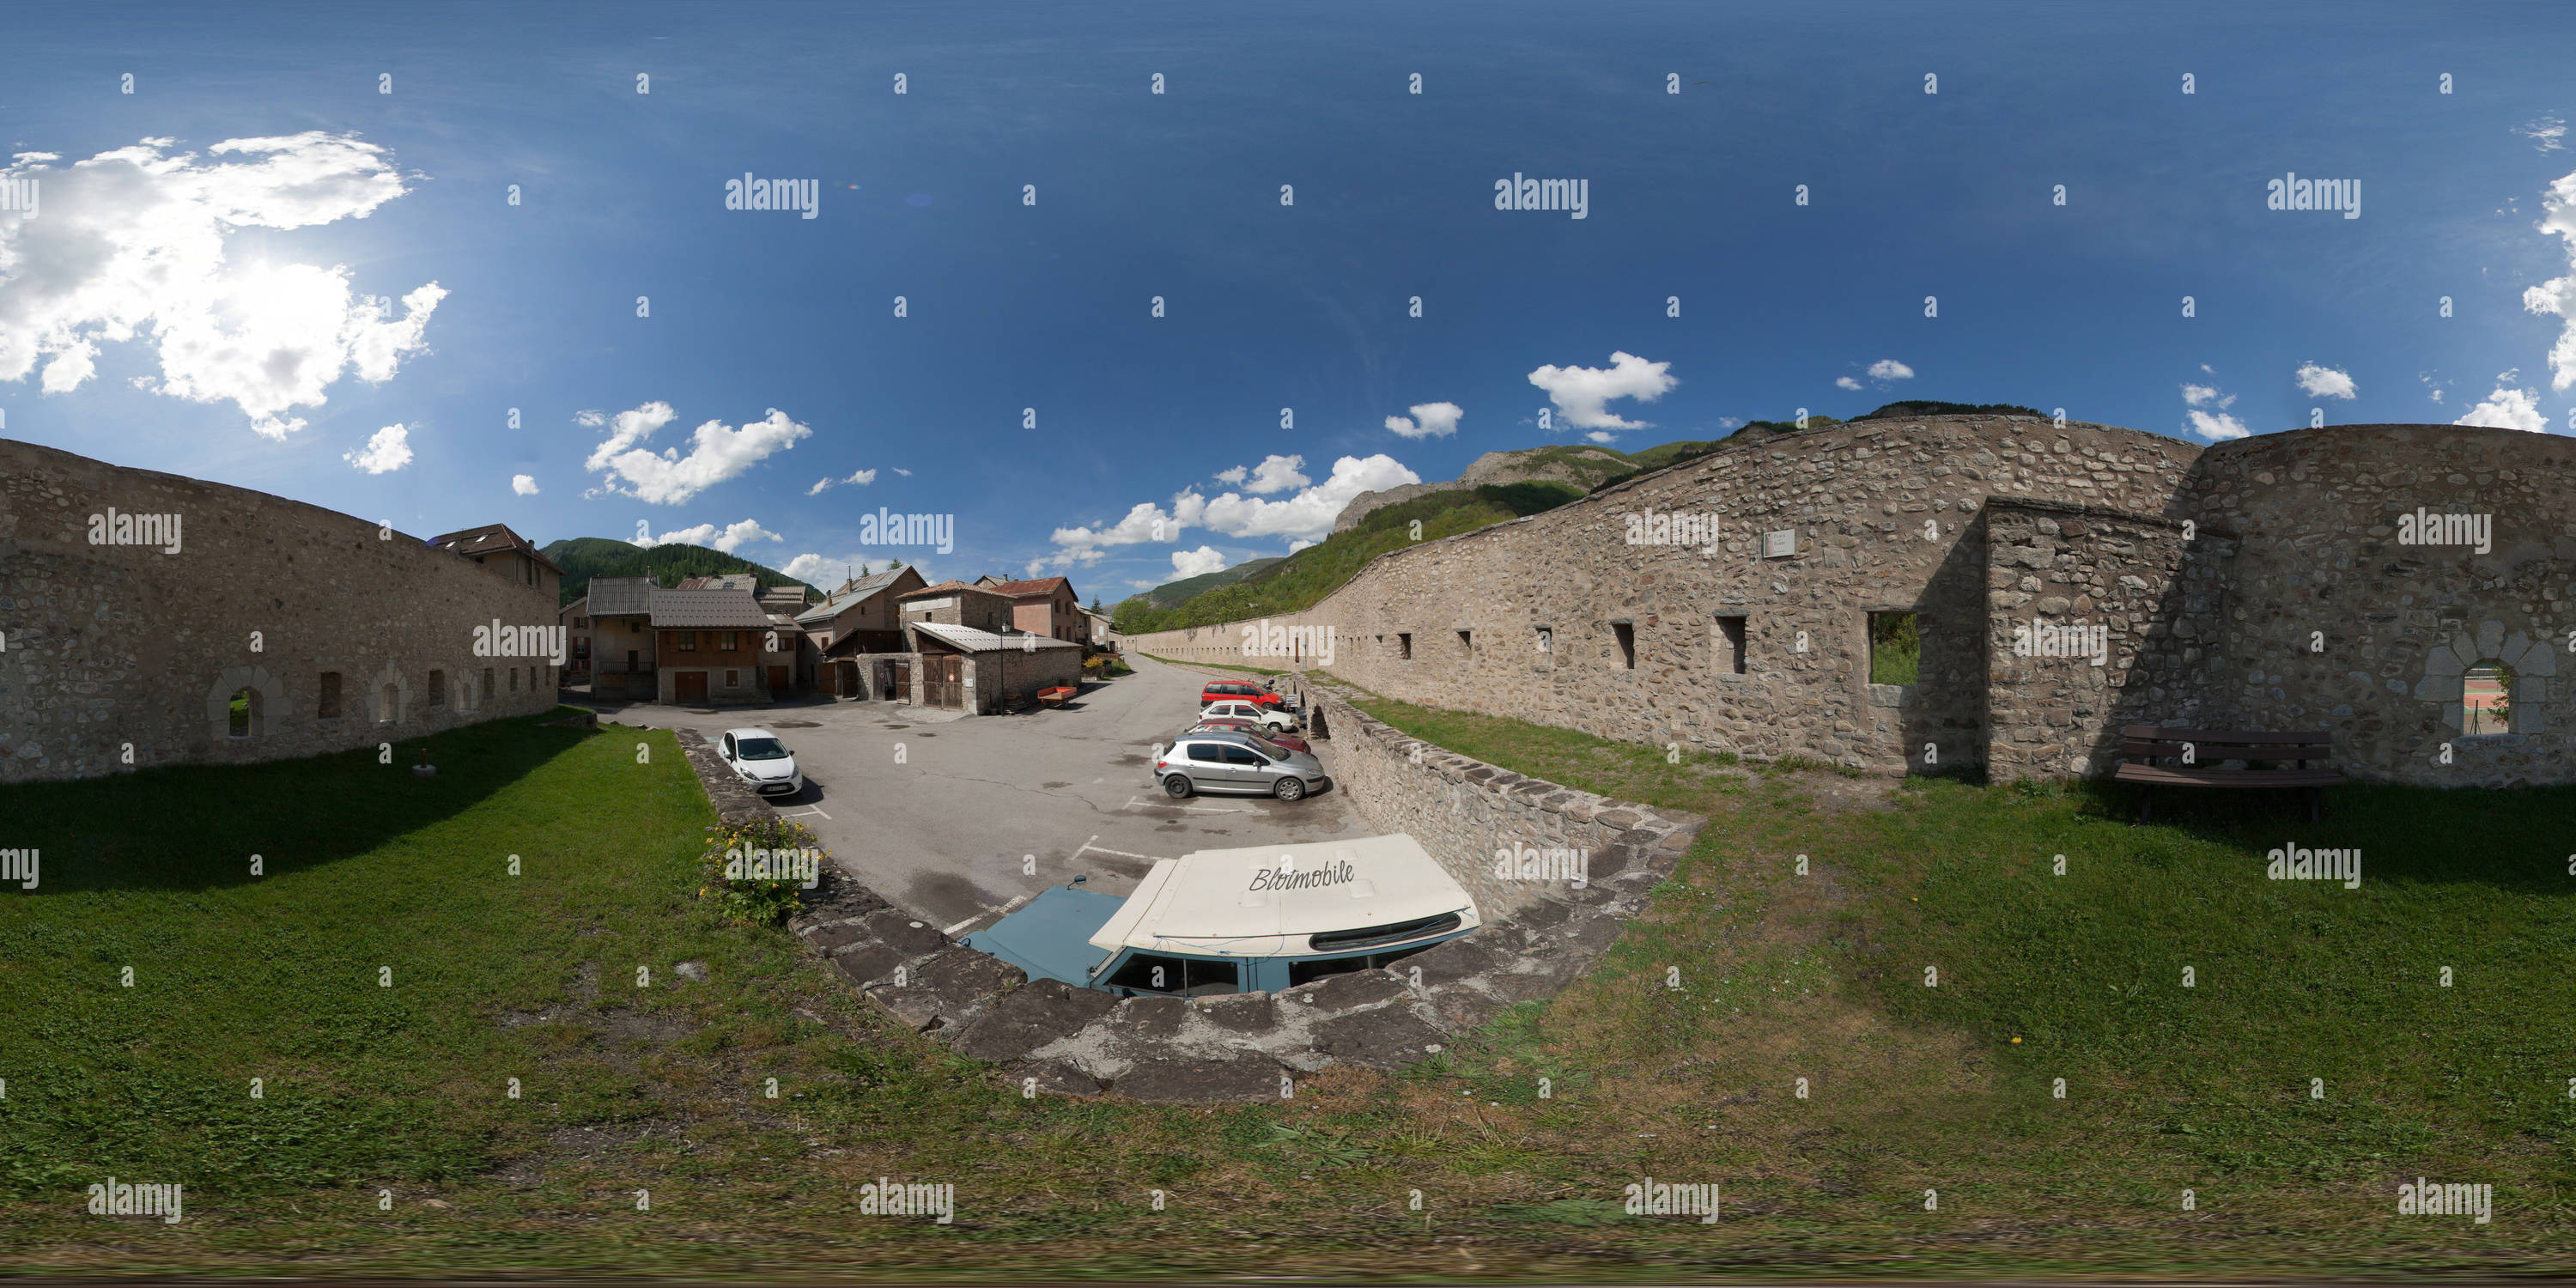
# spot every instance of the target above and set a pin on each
(1235, 763)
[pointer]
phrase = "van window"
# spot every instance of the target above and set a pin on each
(1191, 976)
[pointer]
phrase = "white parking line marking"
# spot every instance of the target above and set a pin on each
(1004, 911)
(810, 811)
(1151, 858)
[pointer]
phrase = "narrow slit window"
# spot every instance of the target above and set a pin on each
(327, 707)
(1404, 646)
(1626, 634)
(1726, 640)
(437, 689)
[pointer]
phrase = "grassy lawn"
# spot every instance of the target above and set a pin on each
(369, 1088)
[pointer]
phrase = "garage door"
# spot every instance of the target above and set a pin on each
(689, 686)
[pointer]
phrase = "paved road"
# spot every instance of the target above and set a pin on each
(944, 815)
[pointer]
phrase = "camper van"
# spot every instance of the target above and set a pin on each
(1261, 919)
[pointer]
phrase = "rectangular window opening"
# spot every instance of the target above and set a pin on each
(1726, 635)
(1626, 634)
(437, 689)
(1895, 648)
(1467, 642)
(328, 707)
(1404, 646)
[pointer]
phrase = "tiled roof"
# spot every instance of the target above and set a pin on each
(707, 610)
(621, 596)
(975, 641)
(950, 587)
(492, 538)
(841, 601)
(1031, 589)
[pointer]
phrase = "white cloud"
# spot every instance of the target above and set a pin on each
(718, 452)
(1845, 382)
(1429, 420)
(2548, 134)
(1235, 475)
(823, 570)
(1890, 369)
(1299, 544)
(524, 484)
(2214, 423)
(729, 540)
(1583, 393)
(2324, 382)
(902, 471)
(1193, 563)
(1308, 515)
(2216, 427)
(1145, 521)
(1277, 474)
(2558, 294)
(860, 479)
(1602, 436)
(133, 243)
(2508, 408)
(388, 451)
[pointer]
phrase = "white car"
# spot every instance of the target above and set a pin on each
(1236, 709)
(762, 761)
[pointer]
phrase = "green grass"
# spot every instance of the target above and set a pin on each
(1784, 976)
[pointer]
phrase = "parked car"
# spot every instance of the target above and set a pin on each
(762, 761)
(1221, 690)
(1219, 724)
(1235, 763)
(1238, 709)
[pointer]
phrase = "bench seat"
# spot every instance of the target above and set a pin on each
(2210, 749)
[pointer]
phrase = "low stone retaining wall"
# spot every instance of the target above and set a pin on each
(1538, 937)
(1468, 813)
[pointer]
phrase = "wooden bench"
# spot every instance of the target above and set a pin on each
(1055, 697)
(2200, 754)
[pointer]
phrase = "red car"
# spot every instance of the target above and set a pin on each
(1221, 690)
(1289, 740)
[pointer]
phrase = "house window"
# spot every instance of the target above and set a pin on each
(581, 623)
(328, 707)
(1726, 640)
(733, 679)
(1404, 645)
(2486, 699)
(1546, 639)
(245, 710)
(1895, 648)
(438, 688)
(728, 642)
(684, 642)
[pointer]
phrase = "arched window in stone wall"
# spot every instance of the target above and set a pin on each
(243, 721)
(2486, 699)
(389, 704)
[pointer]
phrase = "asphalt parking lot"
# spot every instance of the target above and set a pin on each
(945, 815)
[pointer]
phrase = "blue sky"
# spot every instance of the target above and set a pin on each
(209, 311)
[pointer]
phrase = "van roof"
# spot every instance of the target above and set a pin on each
(1264, 900)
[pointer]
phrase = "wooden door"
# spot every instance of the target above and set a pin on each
(778, 684)
(943, 681)
(689, 686)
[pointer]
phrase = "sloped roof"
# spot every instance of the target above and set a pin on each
(491, 538)
(724, 581)
(707, 610)
(949, 587)
(1044, 586)
(620, 596)
(852, 595)
(975, 641)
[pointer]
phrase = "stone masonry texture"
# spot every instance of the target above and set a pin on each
(2259, 583)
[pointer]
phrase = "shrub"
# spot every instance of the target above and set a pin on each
(747, 869)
